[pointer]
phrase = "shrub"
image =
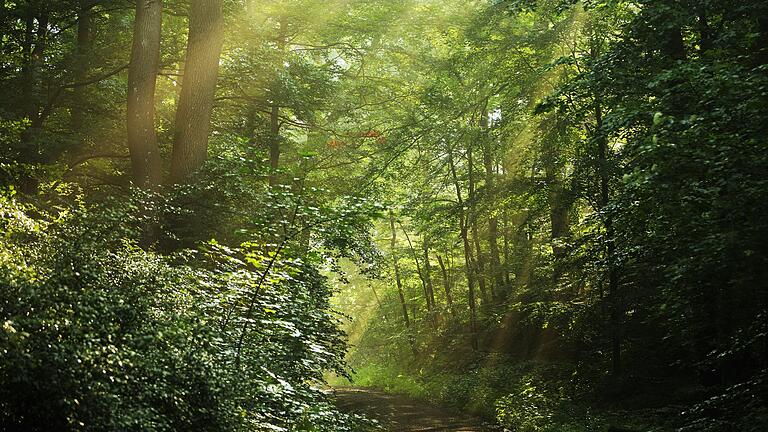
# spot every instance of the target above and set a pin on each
(97, 334)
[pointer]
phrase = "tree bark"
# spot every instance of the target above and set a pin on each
(493, 223)
(82, 63)
(467, 254)
(142, 79)
(422, 278)
(274, 117)
(559, 208)
(472, 221)
(507, 262)
(428, 274)
(446, 286)
(193, 116)
(614, 300)
(400, 292)
(274, 144)
(522, 251)
(35, 37)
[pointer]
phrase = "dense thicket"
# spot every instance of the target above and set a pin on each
(587, 179)
(156, 275)
(99, 334)
(574, 232)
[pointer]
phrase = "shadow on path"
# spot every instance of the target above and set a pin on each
(402, 414)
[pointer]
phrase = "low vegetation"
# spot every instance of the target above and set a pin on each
(547, 212)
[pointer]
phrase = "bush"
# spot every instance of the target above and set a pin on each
(97, 334)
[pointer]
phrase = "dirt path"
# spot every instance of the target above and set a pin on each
(402, 414)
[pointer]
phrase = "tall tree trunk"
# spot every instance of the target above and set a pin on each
(36, 41)
(472, 221)
(558, 205)
(523, 266)
(35, 37)
(467, 254)
(398, 281)
(274, 115)
(507, 263)
(27, 46)
(378, 302)
(142, 79)
(428, 273)
(420, 272)
(193, 116)
(82, 65)
(470, 282)
(446, 286)
(274, 144)
(616, 311)
(493, 223)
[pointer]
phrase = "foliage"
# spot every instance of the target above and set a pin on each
(603, 161)
(577, 196)
(101, 335)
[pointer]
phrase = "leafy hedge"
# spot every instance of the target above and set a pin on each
(97, 334)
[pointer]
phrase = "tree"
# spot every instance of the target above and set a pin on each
(398, 281)
(193, 115)
(142, 80)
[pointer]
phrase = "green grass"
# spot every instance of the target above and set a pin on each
(387, 378)
(525, 397)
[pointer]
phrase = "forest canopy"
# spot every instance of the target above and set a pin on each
(549, 213)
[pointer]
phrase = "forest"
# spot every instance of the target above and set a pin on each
(296, 215)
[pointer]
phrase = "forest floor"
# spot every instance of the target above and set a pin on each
(398, 413)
